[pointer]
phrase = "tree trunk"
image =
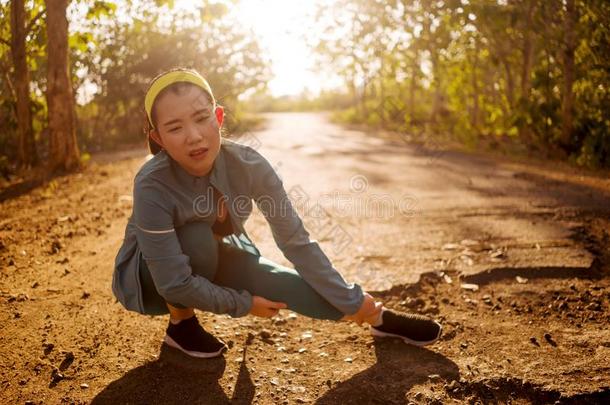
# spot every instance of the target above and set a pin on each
(510, 84)
(63, 151)
(436, 82)
(412, 89)
(382, 104)
(474, 119)
(527, 51)
(26, 151)
(567, 99)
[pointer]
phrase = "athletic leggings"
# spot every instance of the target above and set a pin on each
(229, 266)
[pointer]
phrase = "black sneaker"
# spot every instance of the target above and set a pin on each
(415, 329)
(192, 339)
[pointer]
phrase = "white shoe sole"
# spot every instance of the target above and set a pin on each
(379, 333)
(171, 342)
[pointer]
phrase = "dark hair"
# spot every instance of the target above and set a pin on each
(175, 88)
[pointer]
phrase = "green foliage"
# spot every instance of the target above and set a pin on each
(100, 9)
(479, 71)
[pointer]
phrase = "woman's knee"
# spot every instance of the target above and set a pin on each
(198, 243)
(289, 282)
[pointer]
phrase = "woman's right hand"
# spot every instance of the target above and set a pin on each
(368, 312)
(265, 308)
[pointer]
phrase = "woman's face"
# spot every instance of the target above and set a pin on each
(188, 128)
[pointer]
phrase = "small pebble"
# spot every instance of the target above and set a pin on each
(549, 339)
(453, 385)
(470, 287)
(48, 347)
(594, 306)
(307, 335)
(56, 376)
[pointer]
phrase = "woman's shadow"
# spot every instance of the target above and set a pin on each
(399, 368)
(176, 378)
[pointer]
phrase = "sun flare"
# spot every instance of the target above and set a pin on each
(281, 27)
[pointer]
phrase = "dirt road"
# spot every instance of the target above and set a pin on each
(410, 223)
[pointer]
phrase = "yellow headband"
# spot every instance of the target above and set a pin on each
(172, 77)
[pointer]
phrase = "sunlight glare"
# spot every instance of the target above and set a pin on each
(281, 27)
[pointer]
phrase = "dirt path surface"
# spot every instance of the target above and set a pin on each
(512, 258)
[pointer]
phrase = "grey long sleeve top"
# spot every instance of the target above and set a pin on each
(165, 197)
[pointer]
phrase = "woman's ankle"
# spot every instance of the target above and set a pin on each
(178, 314)
(377, 320)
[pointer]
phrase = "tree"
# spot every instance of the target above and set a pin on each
(569, 47)
(26, 151)
(526, 72)
(63, 149)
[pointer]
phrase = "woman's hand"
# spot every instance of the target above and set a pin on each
(265, 308)
(368, 312)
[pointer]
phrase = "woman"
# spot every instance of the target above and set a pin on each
(185, 246)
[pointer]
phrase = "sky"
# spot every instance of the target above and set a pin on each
(281, 26)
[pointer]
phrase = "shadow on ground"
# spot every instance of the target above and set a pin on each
(509, 273)
(176, 379)
(399, 368)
